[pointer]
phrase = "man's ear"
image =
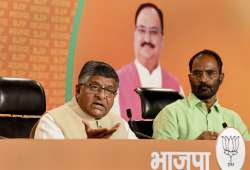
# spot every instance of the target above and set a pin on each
(77, 92)
(221, 77)
(189, 77)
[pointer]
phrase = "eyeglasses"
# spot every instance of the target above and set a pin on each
(209, 73)
(96, 88)
(144, 30)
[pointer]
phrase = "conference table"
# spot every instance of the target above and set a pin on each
(101, 154)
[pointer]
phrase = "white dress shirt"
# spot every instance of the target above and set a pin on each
(146, 78)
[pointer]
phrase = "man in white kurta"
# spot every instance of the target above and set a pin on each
(87, 114)
(66, 122)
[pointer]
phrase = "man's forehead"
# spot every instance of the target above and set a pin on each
(148, 15)
(104, 81)
(206, 62)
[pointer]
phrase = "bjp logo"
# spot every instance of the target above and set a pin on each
(230, 145)
(230, 150)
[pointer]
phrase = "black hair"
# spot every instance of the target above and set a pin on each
(150, 5)
(97, 68)
(206, 52)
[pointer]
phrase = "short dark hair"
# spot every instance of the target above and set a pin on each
(203, 53)
(150, 5)
(97, 68)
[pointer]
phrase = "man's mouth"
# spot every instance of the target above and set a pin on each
(98, 105)
(203, 89)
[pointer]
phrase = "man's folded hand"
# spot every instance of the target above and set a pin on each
(207, 135)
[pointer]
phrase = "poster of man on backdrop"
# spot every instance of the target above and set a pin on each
(107, 32)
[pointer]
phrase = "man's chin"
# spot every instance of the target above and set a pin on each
(98, 113)
(204, 96)
(147, 53)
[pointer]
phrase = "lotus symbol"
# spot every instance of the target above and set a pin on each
(230, 146)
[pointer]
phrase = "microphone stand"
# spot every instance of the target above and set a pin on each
(131, 124)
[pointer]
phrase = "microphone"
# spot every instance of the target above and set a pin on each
(224, 125)
(129, 114)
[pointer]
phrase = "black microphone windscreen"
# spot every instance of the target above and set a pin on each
(224, 125)
(129, 113)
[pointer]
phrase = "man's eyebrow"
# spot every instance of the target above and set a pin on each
(141, 26)
(97, 83)
(110, 86)
(154, 27)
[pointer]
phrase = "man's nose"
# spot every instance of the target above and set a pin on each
(204, 77)
(102, 94)
(147, 36)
